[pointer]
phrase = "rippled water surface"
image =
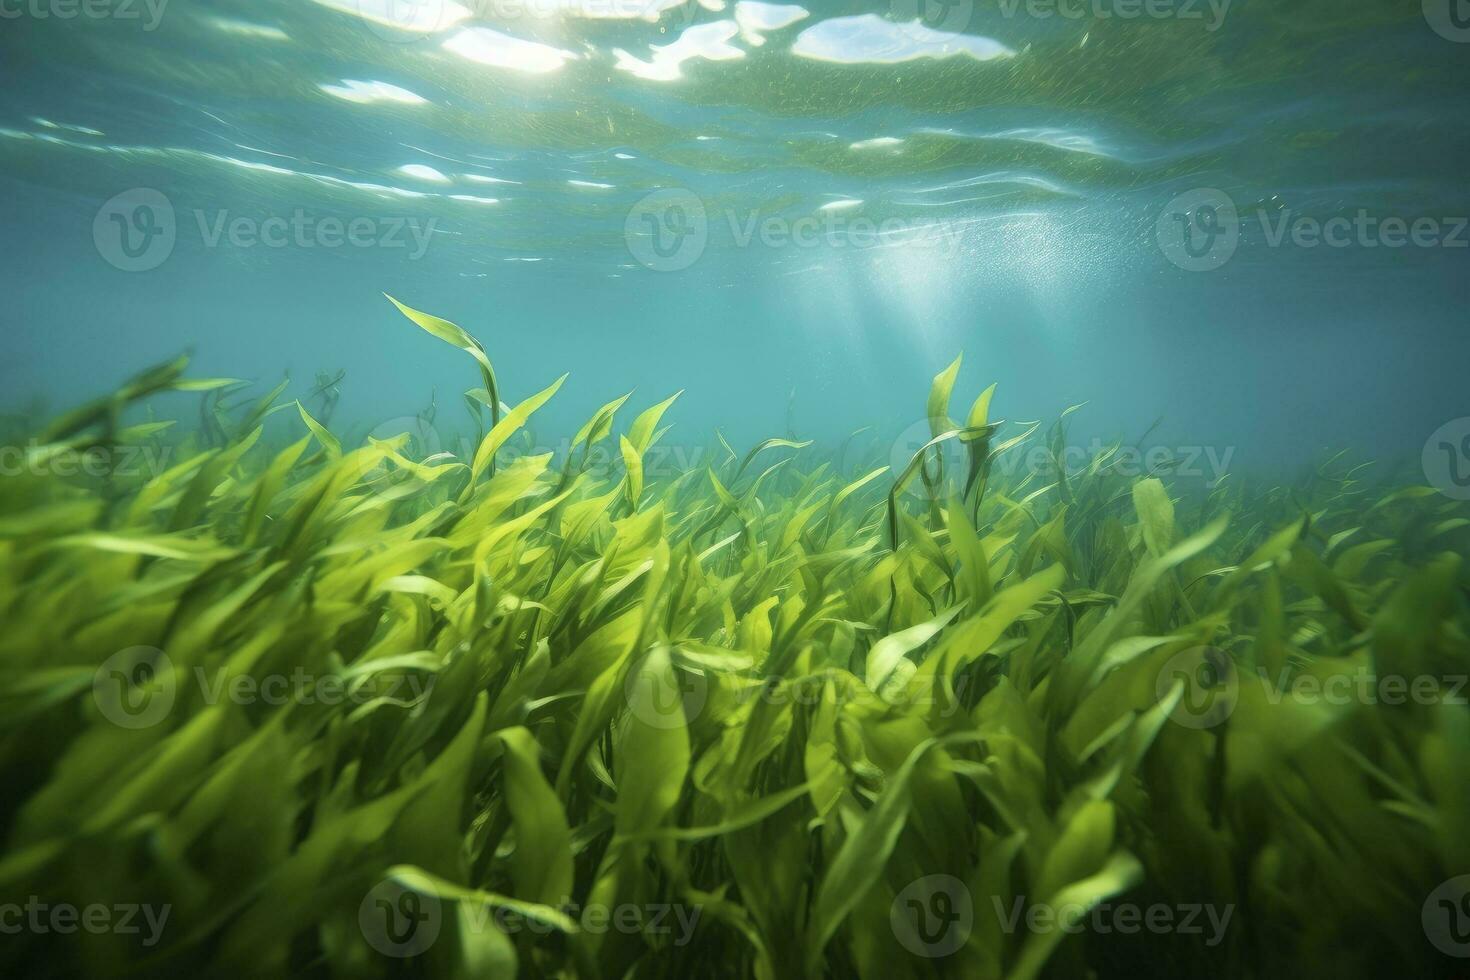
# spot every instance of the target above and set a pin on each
(756, 197)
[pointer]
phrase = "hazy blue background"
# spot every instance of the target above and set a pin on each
(1051, 166)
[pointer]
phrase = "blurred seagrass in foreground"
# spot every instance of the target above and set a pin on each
(298, 707)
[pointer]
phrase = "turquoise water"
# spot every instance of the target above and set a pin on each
(798, 213)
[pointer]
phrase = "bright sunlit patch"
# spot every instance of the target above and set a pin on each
(484, 179)
(590, 183)
(489, 47)
(473, 199)
(868, 38)
(756, 19)
(420, 171)
(708, 41)
(413, 16)
(243, 28)
(840, 205)
(1060, 138)
(366, 93)
(649, 10)
(69, 127)
(877, 142)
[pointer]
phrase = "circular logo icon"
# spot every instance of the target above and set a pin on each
(661, 694)
(921, 18)
(1446, 459)
(949, 456)
(1446, 917)
(135, 231)
(1211, 686)
(1199, 230)
(135, 688)
(408, 21)
(933, 916)
(421, 444)
(1450, 19)
(401, 915)
(667, 230)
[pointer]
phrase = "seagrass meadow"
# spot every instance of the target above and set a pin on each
(292, 705)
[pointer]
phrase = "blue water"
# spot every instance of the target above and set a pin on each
(991, 177)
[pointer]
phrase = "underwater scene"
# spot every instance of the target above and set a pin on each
(615, 489)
